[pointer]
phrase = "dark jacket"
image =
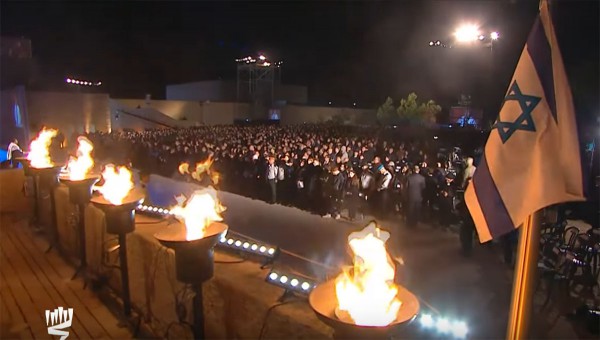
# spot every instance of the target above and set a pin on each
(415, 186)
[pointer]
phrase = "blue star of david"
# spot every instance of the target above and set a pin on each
(524, 122)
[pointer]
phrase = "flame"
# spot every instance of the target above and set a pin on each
(79, 166)
(201, 168)
(184, 168)
(39, 156)
(117, 183)
(202, 209)
(368, 293)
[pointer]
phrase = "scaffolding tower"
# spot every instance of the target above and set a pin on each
(256, 81)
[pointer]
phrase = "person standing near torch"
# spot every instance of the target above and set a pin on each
(271, 176)
(14, 150)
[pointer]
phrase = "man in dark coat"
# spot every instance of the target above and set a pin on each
(415, 187)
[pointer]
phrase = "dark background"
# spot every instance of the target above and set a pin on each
(344, 52)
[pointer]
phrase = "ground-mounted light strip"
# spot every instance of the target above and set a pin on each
(444, 326)
(291, 282)
(249, 246)
(149, 209)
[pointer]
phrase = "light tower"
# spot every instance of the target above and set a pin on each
(256, 80)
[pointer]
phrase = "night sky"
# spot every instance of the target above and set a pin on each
(344, 52)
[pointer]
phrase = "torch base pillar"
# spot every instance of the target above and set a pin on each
(193, 264)
(198, 305)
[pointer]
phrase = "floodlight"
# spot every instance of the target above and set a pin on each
(467, 33)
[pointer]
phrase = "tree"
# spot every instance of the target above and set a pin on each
(386, 112)
(429, 111)
(410, 111)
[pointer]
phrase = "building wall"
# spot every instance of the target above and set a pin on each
(157, 113)
(224, 113)
(175, 109)
(298, 114)
(69, 112)
(130, 117)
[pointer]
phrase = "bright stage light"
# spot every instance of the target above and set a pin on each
(291, 282)
(494, 35)
(481, 37)
(431, 43)
(467, 33)
(262, 57)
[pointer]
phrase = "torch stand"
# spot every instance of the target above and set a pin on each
(80, 193)
(323, 301)
(120, 220)
(194, 263)
(28, 173)
(46, 179)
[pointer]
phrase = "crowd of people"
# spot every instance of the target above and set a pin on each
(334, 171)
(324, 169)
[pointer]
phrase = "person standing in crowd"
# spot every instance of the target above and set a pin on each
(351, 198)
(271, 176)
(334, 191)
(14, 151)
(383, 191)
(446, 195)
(415, 187)
(468, 172)
(281, 181)
(367, 186)
(315, 187)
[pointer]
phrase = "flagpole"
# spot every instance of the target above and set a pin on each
(524, 279)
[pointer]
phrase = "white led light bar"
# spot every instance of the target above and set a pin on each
(442, 325)
(152, 210)
(291, 282)
(235, 242)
